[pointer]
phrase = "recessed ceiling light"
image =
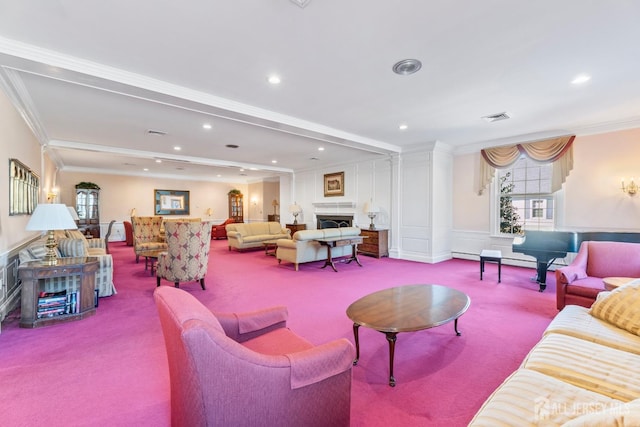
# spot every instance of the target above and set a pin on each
(218, 175)
(274, 79)
(206, 126)
(579, 79)
(320, 148)
(407, 66)
(253, 169)
(158, 161)
(146, 169)
(403, 126)
(274, 161)
(177, 148)
(241, 169)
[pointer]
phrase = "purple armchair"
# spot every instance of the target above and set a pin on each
(580, 282)
(250, 369)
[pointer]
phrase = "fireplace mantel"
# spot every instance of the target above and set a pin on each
(334, 204)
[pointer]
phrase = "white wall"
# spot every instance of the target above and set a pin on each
(18, 142)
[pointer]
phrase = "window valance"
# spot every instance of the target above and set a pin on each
(557, 150)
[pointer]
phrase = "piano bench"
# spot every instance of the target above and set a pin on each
(491, 256)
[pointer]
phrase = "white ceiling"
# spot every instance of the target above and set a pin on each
(92, 77)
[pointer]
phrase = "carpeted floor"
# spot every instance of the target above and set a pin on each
(111, 369)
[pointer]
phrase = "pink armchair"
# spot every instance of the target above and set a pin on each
(250, 369)
(580, 282)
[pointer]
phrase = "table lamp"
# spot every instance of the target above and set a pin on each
(49, 217)
(371, 210)
(295, 210)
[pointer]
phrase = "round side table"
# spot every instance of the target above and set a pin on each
(610, 283)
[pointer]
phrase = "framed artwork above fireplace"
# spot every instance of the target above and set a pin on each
(334, 184)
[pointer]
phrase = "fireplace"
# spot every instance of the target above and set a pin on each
(333, 221)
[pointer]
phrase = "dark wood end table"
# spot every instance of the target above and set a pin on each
(333, 242)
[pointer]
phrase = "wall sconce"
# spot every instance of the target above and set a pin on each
(295, 210)
(372, 211)
(209, 211)
(630, 189)
(254, 201)
(52, 194)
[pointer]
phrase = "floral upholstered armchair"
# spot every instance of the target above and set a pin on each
(146, 234)
(187, 256)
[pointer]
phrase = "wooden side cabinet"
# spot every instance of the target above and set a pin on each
(236, 207)
(375, 244)
(296, 227)
(37, 310)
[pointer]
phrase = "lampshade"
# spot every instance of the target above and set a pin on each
(51, 216)
(73, 213)
(295, 209)
(369, 207)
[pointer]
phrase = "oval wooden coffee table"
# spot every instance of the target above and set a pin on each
(405, 309)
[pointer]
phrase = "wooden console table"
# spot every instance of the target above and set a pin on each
(33, 274)
(333, 242)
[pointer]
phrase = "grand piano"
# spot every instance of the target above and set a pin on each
(546, 246)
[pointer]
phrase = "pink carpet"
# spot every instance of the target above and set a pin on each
(111, 369)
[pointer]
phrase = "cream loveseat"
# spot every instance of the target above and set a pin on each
(584, 372)
(304, 248)
(74, 246)
(253, 235)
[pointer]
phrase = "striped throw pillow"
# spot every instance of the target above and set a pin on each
(621, 307)
(71, 247)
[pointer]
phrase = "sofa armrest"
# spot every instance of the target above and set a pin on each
(570, 273)
(321, 362)
(286, 243)
(245, 326)
(234, 234)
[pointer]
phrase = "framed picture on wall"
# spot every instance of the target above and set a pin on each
(171, 202)
(334, 184)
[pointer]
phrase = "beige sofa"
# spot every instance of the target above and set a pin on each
(253, 235)
(73, 244)
(304, 248)
(584, 372)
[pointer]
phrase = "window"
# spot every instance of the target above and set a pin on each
(526, 201)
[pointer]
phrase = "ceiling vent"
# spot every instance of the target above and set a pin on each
(496, 117)
(156, 132)
(301, 3)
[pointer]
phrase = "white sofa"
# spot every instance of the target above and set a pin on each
(584, 372)
(253, 235)
(304, 248)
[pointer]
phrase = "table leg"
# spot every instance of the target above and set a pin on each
(455, 327)
(391, 337)
(356, 328)
(354, 255)
(329, 260)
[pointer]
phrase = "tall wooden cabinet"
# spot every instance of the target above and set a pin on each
(236, 207)
(88, 211)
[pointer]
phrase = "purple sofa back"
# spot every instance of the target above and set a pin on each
(606, 259)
